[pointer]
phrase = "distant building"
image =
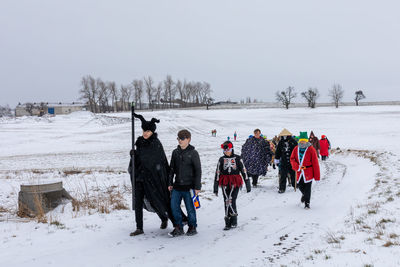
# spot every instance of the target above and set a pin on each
(39, 109)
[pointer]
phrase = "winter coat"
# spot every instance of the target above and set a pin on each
(324, 147)
(284, 151)
(314, 141)
(185, 166)
(256, 154)
(309, 162)
(151, 168)
(231, 172)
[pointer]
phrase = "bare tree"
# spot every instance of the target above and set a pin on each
(285, 97)
(179, 87)
(112, 87)
(149, 89)
(130, 94)
(138, 88)
(336, 94)
(86, 92)
(311, 96)
(29, 108)
(359, 96)
(169, 89)
(187, 91)
(158, 94)
(94, 92)
(102, 95)
(124, 97)
(205, 92)
(197, 92)
(5, 111)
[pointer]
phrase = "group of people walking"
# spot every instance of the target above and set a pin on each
(160, 187)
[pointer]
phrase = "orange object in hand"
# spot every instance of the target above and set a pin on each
(303, 167)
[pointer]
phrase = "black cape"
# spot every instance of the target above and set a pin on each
(151, 168)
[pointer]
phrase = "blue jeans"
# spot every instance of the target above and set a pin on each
(176, 199)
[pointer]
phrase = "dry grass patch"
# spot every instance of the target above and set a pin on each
(332, 239)
(390, 243)
(317, 251)
(103, 200)
(383, 221)
(393, 235)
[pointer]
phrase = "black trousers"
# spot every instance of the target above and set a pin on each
(284, 173)
(254, 177)
(230, 206)
(139, 200)
(305, 188)
(323, 157)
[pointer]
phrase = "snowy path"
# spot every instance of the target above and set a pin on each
(270, 226)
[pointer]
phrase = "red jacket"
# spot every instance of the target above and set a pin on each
(324, 147)
(310, 161)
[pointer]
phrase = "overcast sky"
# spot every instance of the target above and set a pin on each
(242, 48)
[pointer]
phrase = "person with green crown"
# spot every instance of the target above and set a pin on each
(304, 161)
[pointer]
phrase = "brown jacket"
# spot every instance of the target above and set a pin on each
(314, 141)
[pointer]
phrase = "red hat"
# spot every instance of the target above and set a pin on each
(323, 136)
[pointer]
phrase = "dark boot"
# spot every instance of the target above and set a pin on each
(302, 199)
(137, 232)
(255, 180)
(191, 231)
(233, 221)
(307, 206)
(227, 223)
(164, 224)
(176, 232)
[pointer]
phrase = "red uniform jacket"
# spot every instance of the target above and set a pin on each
(324, 147)
(310, 161)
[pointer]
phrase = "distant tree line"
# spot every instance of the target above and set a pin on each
(105, 96)
(336, 93)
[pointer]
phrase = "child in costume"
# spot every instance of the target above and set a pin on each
(229, 176)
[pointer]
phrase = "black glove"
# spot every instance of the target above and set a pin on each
(131, 152)
(216, 188)
(248, 186)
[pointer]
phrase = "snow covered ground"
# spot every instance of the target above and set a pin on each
(353, 221)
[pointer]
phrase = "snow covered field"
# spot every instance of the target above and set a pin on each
(353, 221)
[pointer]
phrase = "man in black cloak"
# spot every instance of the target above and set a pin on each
(151, 177)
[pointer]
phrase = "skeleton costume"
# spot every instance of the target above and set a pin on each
(229, 176)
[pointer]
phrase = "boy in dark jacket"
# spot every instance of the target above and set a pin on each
(185, 167)
(229, 176)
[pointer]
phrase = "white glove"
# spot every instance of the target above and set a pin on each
(276, 161)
